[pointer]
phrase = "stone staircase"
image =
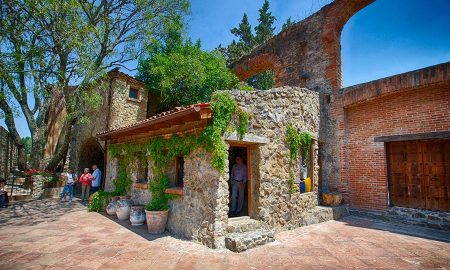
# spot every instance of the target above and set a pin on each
(245, 233)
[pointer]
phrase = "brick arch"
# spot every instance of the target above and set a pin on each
(258, 64)
(307, 54)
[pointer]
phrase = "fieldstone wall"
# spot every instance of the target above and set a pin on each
(38, 186)
(201, 214)
(125, 110)
(271, 113)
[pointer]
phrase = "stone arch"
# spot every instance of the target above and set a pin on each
(90, 153)
(258, 64)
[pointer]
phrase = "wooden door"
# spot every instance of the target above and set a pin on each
(419, 174)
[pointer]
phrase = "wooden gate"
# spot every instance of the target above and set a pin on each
(419, 174)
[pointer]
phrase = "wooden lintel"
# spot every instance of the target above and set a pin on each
(414, 137)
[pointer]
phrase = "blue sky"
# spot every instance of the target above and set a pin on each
(386, 38)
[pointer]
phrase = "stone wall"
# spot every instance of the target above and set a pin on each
(201, 214)
(308, 54)
(271, 113)
(8, 153)
(125, 110)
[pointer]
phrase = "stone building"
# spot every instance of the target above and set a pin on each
(8, 153)
(124, 100)
(201, 212)
(384, 144)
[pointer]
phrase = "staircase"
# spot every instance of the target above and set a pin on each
(245, 233)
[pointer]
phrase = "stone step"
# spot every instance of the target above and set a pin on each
(239, 242)
(243, 224)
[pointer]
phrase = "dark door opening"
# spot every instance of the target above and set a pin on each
(90, 154)
(234, 154)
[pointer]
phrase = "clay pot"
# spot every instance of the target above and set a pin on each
(137, 215)
(123, 208)
(111, 207)
(156, 221)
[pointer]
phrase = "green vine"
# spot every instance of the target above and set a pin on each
(299, 142)
(161, 151)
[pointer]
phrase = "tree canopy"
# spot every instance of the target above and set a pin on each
(247, 40)
(67, 46)
(181, 73)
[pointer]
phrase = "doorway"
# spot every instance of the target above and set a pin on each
(90, 154)
(234, 153)
(419, 175)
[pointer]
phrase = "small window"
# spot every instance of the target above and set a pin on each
(180, 171)
(133, 94)
(142, 172)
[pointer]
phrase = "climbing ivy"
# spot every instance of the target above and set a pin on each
(161, 151)
(299, 142)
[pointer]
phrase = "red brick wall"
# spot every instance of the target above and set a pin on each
(364, 164)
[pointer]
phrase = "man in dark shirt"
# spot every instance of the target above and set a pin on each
(238, 180)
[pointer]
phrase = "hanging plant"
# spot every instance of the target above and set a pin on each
(299, 142)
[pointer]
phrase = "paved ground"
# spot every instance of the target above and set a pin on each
(48, 235)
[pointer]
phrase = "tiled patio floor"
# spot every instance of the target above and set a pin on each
(48, 235)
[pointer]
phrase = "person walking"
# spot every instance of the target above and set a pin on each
(97, 178)
(86, 181)
(70, 178)
(238, 180)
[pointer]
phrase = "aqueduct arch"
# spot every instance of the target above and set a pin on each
(307, 54)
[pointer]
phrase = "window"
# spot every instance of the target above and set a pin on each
(134, 93)
(142, 172)
(179, 164)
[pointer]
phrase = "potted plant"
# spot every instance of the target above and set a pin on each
(157, 209)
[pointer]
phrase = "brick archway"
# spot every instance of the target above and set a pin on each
(258, 64)
(307, 54)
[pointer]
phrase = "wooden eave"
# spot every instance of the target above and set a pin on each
(191, 120)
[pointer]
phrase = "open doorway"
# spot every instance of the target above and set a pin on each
(90, 154)
(239, 183)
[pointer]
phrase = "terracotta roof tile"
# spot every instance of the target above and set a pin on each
(158, 117)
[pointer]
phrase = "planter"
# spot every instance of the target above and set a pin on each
(111, 209)
(137, 215)
(123, 208)
(156, 221)
(331, 199)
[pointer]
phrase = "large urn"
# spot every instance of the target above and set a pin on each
(123, 208)
(137, 215)
(111, 208)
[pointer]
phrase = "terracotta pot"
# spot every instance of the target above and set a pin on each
(137, 215)
(156, 221)
(111, 208)
(123, 208)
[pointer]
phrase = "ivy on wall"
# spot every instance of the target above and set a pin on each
(299, 142)
(161, 151)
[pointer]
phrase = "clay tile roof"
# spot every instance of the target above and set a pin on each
(158, 118)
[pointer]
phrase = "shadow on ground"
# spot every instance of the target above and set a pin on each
(398, 228)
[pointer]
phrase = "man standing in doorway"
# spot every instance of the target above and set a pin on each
(238, 180)
(97, 178)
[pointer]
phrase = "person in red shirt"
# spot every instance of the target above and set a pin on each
(86, 180)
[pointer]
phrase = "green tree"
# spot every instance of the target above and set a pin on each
(181, 73)
(245, 43)
(264, 30)
(49, 46)
(289, 22)
(26, 141)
